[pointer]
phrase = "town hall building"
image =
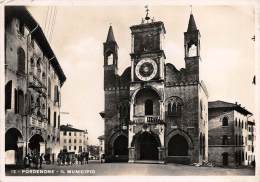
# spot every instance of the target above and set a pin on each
(154, 111)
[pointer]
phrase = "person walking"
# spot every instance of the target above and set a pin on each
(41, 160)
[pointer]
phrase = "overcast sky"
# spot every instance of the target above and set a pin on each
(227, 52)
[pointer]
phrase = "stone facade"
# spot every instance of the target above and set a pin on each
(154, 111)
(228, 134)
(33, 80)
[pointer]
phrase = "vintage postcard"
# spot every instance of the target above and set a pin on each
(130, 89)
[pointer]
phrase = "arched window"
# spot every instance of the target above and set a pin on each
(110, 59)
(236, 122)
(225, 121)
(239, 124)
(21, 60)
(179, 110)
(148, 107)
(242, 123)
(8, 95)
(169, 109)
(174, 109)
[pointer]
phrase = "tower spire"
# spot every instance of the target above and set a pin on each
(110, 35)
(192, 25)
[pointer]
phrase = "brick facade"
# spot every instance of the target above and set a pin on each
(162, 112)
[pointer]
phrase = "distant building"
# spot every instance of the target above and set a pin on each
(33, 81)
(72, 139)
(231, 134)
(101, 145)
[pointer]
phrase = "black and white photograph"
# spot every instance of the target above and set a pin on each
(130, 89)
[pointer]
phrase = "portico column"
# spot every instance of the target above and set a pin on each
(161, 110)
(131, 153)
(161, 153)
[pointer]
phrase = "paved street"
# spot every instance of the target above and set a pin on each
(115, 169)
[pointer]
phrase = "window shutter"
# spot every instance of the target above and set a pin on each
(8, 95)
(15, 101)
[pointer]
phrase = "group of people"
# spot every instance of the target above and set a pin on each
(66, 158)
(33, 160)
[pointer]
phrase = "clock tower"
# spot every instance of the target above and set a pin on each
(146, 126)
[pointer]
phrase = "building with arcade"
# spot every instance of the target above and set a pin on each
(154, 111)
(33, 81)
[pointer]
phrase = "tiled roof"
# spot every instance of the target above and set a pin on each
(221, 104)
(102, 137)
(69, 128)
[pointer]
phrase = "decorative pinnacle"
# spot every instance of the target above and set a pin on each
(147, 12)
(190, 9)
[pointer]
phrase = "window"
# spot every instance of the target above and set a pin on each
(65, 141)
(225, 121)
(21, 27)
(75, 147)
(75, 141)
(80, 148)
(242, 124)
(8, 95)
(49, 116)
(49, 88)
(169, 109)
(56, 94)
(69, 147)
(236, 141)
(58, 121)
(54, 120)
(236, 122)
(20, 102)
(69, 140)
(21, 60)
(75, 134)
(80, 141)
(148, 107)
(224, 140)
(64, 133)
(239, 124)
(39, 65)
(110, 59)
(69, 133)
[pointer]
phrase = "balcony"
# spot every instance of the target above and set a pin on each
(35, 122)
(36, 83)
(147, 119)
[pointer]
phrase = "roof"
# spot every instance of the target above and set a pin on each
(110, 35)
(222, 105)
(69, 128)
(102, 137)
(24, 15)
(192, 25)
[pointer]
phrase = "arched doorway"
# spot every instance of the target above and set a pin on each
(225, 159)
(121, 145)
(35, 143)
(147, 147)
(13, 146)
(178, 146)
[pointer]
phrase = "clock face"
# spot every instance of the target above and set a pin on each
(146, 69)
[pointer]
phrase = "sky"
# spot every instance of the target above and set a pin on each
(227, 52)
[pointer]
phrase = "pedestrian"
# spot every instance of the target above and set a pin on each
(26, 161)
(87, 156)
(41, 160)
